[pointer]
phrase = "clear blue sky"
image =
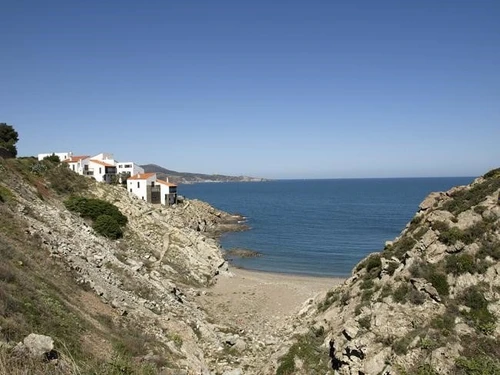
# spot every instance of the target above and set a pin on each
(278, 89)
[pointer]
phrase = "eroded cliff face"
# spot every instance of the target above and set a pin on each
(148, 278)
(429, 303)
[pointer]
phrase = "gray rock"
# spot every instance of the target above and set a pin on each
(37, 346)
(236, 371)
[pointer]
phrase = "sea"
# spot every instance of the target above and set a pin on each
(317, 227)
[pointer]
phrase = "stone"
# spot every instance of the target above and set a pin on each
(236, 371)
(37, 346)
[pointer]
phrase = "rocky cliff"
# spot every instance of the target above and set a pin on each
(136, 293)
(429, 303)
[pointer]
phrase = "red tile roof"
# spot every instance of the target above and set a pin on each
(76, 159)
(142, 176)
(102, 163)
(166, 183)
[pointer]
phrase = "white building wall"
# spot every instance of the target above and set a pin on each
(62, 155)
(79, 166)
(129, 167)
(103, 156)
(139, 187)
(98, 169)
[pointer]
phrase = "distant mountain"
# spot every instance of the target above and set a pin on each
(190, 178)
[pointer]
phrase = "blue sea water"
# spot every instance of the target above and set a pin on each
(317, 227)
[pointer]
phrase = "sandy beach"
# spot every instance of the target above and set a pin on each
(257, 301)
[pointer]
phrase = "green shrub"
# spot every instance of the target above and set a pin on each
(373, 262)
(400, 293)
(493, 173)
(440, 226)
(308, 349)
(431, 273)
(331, 297)
(53, 158)
(367, 284)
(460, 264)
(438, 281)
(445, 323)
(451, 236)
(479, 316)
(399, 248)
(491, 249)
(107, 226)
(480, 365)
(5, 194)
(93, 208)
(462, 200)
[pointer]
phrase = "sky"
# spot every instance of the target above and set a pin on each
(274, 89)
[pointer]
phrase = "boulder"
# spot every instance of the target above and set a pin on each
(36, 346)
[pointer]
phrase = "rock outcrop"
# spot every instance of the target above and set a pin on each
(429, 303)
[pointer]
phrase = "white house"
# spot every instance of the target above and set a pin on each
(62, 155)
(101, 171)
(141, 185)
(168, 192)
(129, 167)
(148, 188)
(78, 164)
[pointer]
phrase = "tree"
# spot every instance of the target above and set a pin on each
(53, 158)
(8, 140)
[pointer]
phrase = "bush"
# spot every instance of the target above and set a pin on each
(445, 323)
(480, 365)
(462, 200)
(93, 208)
(460, 264)
(107, 226)
(438, 281)
(400, 293)
(399, 248)
(432, 275)
(479, 316)
(491, 249)
(451, 236)
(52, 158)
(373, 262)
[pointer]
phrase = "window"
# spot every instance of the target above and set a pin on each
(128, 166)
(138, 184)
(130, 189)
(100, 170)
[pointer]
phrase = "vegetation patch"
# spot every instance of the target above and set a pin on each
(479, 316)
(432, 274)
(460, 264)
(463, 200)
(331, 297)
(400, 248)
(107, 218)
(478, 365)
(5, 194)
(307, 349)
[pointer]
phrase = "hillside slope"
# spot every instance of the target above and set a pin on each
(126, 304)
(187, 178)
(429, 303)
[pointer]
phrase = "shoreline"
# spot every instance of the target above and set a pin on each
(233, 266)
